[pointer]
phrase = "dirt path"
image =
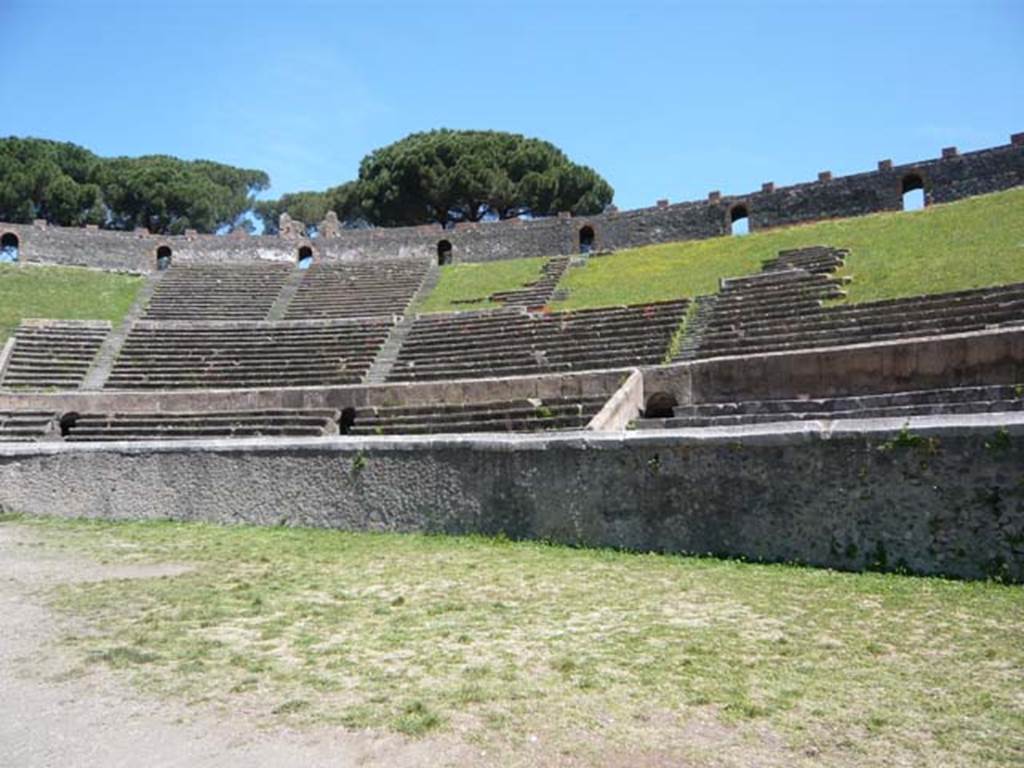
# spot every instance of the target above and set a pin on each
(51, 718)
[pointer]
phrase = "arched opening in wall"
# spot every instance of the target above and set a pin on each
(163, 258)
(305, 257)
(586, 239)
(444, 253)
(660, 405)
(739, 220)
(67, 423)
(9, 248)
(912, 189)
(347, 420)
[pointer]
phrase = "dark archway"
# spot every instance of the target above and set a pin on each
(912, 190)
(67, 423)
(347, 420)
(163, 258)
(660, 405)
(9, 244)
(305, 257)
(739, 220)
(444, 253)
(586, 237)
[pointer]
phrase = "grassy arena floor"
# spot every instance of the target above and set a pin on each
(967, 244)
(586, 652)
(62, 293)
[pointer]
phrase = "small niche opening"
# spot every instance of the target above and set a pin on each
(347, 420)
(739, 220)
(163, 258)
(912, 189)
(305, 257)
(9, 248)
(660, 405)
(67, 423)
(586, 239)
(444, 253)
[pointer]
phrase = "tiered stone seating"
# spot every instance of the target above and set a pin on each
(928, 402)
(229, 355)
(184, 426)
(529, 415)
(218, 291)
(817, 259)
(536, 294)
(356, 289)
(26, 426)
(781, 309)
(509, 342)
(53, 354)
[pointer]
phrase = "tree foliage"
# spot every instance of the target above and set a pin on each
(439, 176)
(70, 186)
(447, 176)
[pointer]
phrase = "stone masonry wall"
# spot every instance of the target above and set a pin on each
(946, 498)
(950, 177)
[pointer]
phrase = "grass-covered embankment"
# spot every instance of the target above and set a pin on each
(468, 286)
(967, 244)
(586, 652)
(62, 293)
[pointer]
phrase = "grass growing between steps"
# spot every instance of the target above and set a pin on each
(967, 244)
(555, 655)
(462, 283)
(62, 293)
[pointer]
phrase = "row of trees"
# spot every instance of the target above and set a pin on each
(440, 176)
(69, 185)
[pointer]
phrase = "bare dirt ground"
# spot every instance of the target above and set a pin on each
(53, 714)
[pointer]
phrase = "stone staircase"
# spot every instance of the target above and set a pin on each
(539, 293)
(111, 348)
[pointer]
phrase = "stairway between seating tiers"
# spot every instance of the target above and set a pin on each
(538, 293)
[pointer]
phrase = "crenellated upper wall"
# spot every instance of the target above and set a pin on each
(952, 176)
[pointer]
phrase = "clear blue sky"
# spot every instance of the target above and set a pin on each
(664, 99)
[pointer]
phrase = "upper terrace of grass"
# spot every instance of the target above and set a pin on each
(62, 293)
(967, 244)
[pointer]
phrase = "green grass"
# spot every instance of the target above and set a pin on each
(588, 652)
(62, 293)
(462, 283)
(967, 244)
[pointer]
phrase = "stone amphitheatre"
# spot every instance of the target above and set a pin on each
(288, 380)
(654, 384)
